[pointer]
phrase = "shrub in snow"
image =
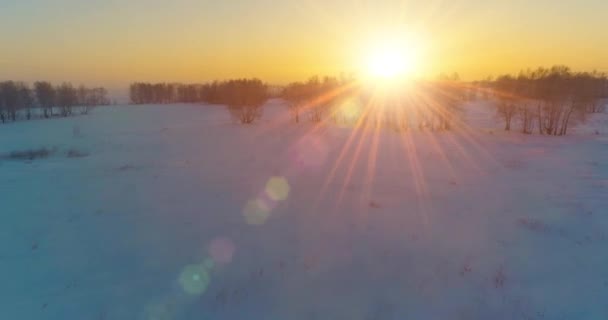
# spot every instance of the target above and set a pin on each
(245, 114)
(245, 99)
(499, 278)
(532, 224)
(31, 154)
(75, 153)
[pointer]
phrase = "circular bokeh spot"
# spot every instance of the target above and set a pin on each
(350, 111)
(256, 212)
(221, 250)
(277, 188)
(194, 279)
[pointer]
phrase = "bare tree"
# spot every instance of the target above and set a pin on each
(10, 100)
(46, 95)
(2, 105)
(443, 101)
(244, 99)
(66, 98)
(25, 99)
(296, 96)
(506, 93)
(549, 98)
(96, 97)
(82, 97)
(323, 97)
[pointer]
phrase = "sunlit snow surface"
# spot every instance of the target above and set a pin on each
(174, 212)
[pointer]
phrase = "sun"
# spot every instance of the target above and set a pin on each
(389, 63)
(390, 60)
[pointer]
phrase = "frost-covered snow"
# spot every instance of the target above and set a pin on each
(174, 212)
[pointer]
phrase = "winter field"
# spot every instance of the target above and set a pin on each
(175, 212)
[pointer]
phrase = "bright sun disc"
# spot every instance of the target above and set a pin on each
(391, 58)
(386, 64)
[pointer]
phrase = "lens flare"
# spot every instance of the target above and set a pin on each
(194, 279)
(277, 188)
(349, 112)
(256, 212)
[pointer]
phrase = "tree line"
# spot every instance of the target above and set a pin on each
(432, 105)
(548, 100)
(216, 92)
(19, 100)
(316, 97)
(244, 98)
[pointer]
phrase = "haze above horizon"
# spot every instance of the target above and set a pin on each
(116, 42)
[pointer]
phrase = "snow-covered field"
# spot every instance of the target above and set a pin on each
(173, 212)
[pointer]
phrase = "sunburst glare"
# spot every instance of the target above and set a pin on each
(389, 59)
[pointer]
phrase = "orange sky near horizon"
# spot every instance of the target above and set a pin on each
(117, 42)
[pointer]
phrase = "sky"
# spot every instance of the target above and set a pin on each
(112, 42)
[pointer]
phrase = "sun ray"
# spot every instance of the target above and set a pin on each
(364, 131)
(356, 131)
